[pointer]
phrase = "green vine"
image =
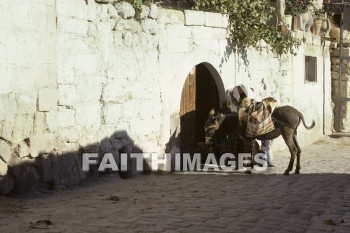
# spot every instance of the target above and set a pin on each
(248, 23)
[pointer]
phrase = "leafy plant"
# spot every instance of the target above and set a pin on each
(296, 7)
(319, 13)
(248, 23)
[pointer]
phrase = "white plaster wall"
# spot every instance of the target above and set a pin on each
(77, 75)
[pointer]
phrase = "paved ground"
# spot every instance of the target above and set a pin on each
(318, 200)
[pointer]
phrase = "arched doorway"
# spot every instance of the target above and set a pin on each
(199, 95)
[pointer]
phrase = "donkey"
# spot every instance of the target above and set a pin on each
(286, 120)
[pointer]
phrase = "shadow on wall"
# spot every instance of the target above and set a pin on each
(58, 170)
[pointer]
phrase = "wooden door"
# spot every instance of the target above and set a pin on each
(188, 113)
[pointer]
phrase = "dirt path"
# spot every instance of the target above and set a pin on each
(318, 200)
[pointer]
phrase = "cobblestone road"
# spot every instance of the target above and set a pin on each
(318, 200)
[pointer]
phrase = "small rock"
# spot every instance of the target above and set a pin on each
(5, 151)
(153, 14)
(145, 10)
(22, 149)
(125, 10)
(3, 168)
(105, 1)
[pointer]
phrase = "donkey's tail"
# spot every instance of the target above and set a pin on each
(302, 119)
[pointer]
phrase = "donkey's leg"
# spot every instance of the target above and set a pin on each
(287, 134)
(295, 140)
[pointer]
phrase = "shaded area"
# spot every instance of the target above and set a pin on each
(59, 170)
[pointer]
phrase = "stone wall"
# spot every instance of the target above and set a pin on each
(98, 78)
(345, 89)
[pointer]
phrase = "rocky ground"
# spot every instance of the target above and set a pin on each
(318, 200)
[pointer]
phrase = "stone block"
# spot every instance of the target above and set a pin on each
(145, 12)
(128, 24)
(91, 10)
(112, 12)
(22, 149)
(72, 25)
(168, 16)
(125, 10)
(26, 102)
(23, 127)
(225, 21)
(47, 99)
(194, 18)
(3, 168)
(112, 113)
(178, 45)
(73, 8)
(153, 14)
(88, 115)
(201, 32)
(213, 19)
(68, 134)
(149, 26)
(51, 121)
(42, 143)
(336, 52)
(5, 151)
(8, 106)
(65, 118)
(89, 88)
(178, 31)
(40, 125)
(67, 95)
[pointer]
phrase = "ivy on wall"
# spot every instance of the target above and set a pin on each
(248, 23)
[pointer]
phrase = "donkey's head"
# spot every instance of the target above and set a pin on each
(212, 125)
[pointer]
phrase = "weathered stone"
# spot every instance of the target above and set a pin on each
(27, 102)
(72, 8)
(9, 106)
(149, 26)
(180, 45)
(42, 143)
(130, 24)
(153, 14)
(5, 151)
(178, 31)
(345, 52)
(125, 10)
(66, 118)
(167, 16)
(47, 99)
(72, 25)
(67, 95)
(3, 168)
(88, 115)
(194, 18)
(22, 149)
(112, 113)
(40, 125)
(112, 12)
(7, 184)
(51, 120)
(128, 39)
(145, 10)
(212, 19)
(23, 127)
(91, 10)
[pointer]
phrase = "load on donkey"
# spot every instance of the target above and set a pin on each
(257, 120)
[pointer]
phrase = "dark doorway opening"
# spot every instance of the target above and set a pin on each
(199, 95)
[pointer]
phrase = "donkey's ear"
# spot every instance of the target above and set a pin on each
(212, 112)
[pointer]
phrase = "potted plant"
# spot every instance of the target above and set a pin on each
(300, 10)
(319, 16)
